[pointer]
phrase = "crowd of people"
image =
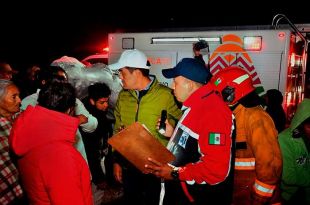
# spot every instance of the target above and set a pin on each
(231, 146)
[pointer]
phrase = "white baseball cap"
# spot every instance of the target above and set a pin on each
(131, 58)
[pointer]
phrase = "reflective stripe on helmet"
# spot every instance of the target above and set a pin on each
(240, 79)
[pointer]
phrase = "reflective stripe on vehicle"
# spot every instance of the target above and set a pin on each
(244, 163)
(263, 189)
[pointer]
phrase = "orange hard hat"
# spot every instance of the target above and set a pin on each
(233, 83)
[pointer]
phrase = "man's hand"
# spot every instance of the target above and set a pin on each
(83, 119)
(118, 172)
(169, 128)
(158, 169)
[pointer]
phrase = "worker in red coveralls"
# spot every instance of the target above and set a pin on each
(258, 162)
(201, 142)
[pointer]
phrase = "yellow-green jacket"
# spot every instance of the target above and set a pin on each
(147, 110)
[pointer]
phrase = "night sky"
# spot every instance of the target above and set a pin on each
(30, 35)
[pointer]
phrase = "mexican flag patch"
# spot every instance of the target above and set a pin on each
(216, 139)
(217, 82)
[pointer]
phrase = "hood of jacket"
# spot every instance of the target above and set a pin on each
(38, 126)
(302, 113)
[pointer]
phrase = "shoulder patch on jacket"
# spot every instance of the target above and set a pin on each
(217, 138)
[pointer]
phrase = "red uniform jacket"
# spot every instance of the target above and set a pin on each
(202, 145)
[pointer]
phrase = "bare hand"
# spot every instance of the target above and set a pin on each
(118, 172)
(158, 169)
(83, 119)
(169, 128)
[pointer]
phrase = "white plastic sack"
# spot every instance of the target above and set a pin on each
(81, 77)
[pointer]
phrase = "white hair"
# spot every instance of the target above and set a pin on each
(4, 84)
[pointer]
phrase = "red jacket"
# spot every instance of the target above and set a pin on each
(202, 145)
(51, 169)
(207, 116)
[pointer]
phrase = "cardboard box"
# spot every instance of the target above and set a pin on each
(136, 144)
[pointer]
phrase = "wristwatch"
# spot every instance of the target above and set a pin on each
(175, 173)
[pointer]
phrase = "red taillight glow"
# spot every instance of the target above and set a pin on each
(106, 49)
(295, 60)
(292, 62)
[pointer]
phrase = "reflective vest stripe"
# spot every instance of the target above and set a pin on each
(263, 189)
(244, 163)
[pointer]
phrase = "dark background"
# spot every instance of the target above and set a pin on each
(41, 33)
